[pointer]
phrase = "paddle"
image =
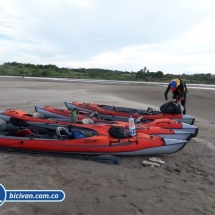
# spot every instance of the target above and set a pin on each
(105, 159)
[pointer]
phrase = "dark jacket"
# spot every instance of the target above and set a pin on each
(179, 92)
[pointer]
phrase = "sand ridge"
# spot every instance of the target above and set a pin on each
(184, 185)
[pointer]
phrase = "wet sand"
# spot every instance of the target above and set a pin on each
(184, 185)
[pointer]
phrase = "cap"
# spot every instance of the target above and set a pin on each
(173, 85)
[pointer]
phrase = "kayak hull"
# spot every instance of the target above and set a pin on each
(84, 146)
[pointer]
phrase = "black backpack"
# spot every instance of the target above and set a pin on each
(170, 107)
(118, 132)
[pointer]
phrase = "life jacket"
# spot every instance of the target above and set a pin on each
(178, 81)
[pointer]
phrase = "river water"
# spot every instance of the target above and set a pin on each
(193, 86)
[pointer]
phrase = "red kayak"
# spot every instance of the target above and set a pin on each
(127, 112)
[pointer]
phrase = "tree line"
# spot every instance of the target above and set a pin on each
(22, 69)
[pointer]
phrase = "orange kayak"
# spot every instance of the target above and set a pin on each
(95, 140)
(178, 132)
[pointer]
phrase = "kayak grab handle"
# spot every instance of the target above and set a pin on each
(12, 110)
(163, 122)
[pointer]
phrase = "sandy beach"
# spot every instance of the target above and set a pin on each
(183, 185)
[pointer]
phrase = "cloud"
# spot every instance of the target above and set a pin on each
(174, 37)
(191, 52)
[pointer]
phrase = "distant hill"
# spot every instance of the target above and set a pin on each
(22, 69)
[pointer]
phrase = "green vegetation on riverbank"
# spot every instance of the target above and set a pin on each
(21, 69)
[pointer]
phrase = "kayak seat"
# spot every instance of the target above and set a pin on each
(113, 108)
(152, 111)
(87, 121)
(63, 133)
(2, 125)
(149, 110)
(94, 115)
(139, 119)
(38, 115)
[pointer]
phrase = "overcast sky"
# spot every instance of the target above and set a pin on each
(172, 36)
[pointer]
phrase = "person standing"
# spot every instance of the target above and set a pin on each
(179, 91)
